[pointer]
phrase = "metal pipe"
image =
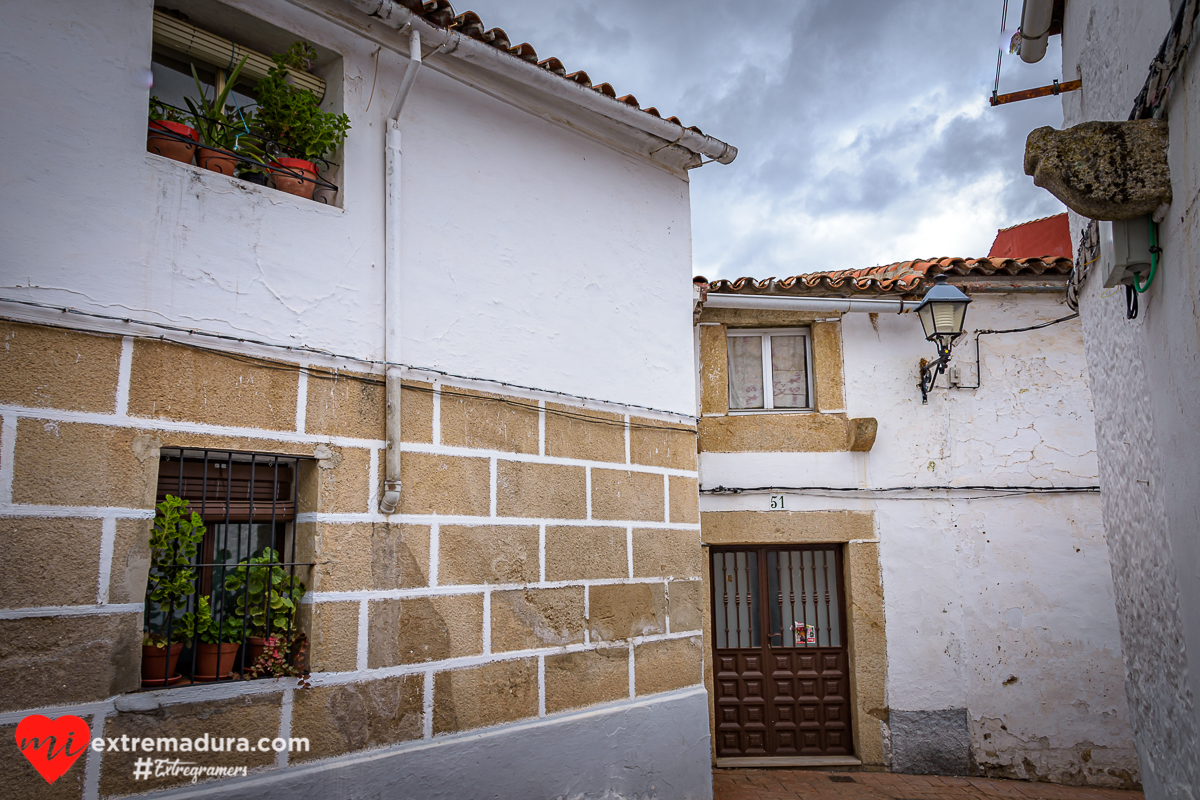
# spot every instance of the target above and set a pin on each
(1036, 17)
(476, 54)
(822, 304)
(1041, 91)
(390, 497)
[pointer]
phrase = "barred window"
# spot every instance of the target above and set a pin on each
(223, 592)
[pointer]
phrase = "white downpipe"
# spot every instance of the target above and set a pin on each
(1036, 16)
(469, 51)
(821, 304)
(390, 498)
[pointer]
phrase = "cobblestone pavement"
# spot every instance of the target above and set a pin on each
(779, 784)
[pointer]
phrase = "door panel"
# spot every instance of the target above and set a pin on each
(737, 630)
(785, 693)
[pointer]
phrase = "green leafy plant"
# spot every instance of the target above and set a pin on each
(266, 594)
(300, 56)
(173, 544)
(222, 126)
(161, 112)
(291, 116)
(208, 629)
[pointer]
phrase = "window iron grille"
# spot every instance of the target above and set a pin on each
(244, 571)
(271, 150)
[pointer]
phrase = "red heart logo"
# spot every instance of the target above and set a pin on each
(52, 745)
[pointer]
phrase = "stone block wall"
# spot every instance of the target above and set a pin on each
(546, 557)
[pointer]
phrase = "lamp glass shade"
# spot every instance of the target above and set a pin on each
(943, 311)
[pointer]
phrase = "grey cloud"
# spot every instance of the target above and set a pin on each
(857, 121)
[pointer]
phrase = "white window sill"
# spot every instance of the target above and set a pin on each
(218, 183)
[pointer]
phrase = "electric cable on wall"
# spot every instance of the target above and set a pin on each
(330, 373)
(1038, 326)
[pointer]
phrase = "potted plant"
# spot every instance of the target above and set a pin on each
(168, 134)
(278, 659)
(293, 120)
(267, 597)
(224, 130)
(218, 643)
(173, 545)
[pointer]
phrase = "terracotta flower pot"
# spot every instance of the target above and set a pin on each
(215, 160)
(159, 662)
(254, 648)
(168, 146)
(299, 178)
(214, 661)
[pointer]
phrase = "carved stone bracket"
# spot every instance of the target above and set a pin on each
(1103, 170)
(862, 434)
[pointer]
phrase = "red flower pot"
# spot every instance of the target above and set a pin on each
(295, 176)
(160, 141)
(214, 661)
(215, 160)
(158, 663)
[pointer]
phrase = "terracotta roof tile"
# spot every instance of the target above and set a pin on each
(903, 277)
(441, 14)
(525, 51)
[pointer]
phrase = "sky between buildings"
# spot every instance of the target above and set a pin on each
(863, 128)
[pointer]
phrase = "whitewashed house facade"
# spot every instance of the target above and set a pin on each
(452, 332)
(946, 623)
(1139, 70)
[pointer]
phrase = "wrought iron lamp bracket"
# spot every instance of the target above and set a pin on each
(931, 371)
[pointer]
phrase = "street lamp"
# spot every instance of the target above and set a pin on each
(942, 312)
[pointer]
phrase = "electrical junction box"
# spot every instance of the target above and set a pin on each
(1124, 250)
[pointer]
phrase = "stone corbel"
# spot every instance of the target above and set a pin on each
(862, 432)
(1104, 170)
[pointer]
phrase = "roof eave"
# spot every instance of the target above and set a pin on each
(657, 138)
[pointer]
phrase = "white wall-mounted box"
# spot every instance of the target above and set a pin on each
(1124, 250)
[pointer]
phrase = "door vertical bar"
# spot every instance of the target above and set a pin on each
(779, 581)
(828, 619)
(803, 594)
(792, 596)
(725, 596)
(737, 598)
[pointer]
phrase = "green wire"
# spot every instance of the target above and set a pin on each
(1153, 260)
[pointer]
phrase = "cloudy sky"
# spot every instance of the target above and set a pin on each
(863, 128)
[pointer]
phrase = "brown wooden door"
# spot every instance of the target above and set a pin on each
(782, 672)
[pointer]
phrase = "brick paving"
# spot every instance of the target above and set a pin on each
(790, 784)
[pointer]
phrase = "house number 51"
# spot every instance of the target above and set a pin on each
(776, 501)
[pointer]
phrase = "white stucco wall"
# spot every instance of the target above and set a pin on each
(978, 592)
(1145, 381)
(532, 253)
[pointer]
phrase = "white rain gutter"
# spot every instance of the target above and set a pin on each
(455, 45)
(390, 498)
(821, 304)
